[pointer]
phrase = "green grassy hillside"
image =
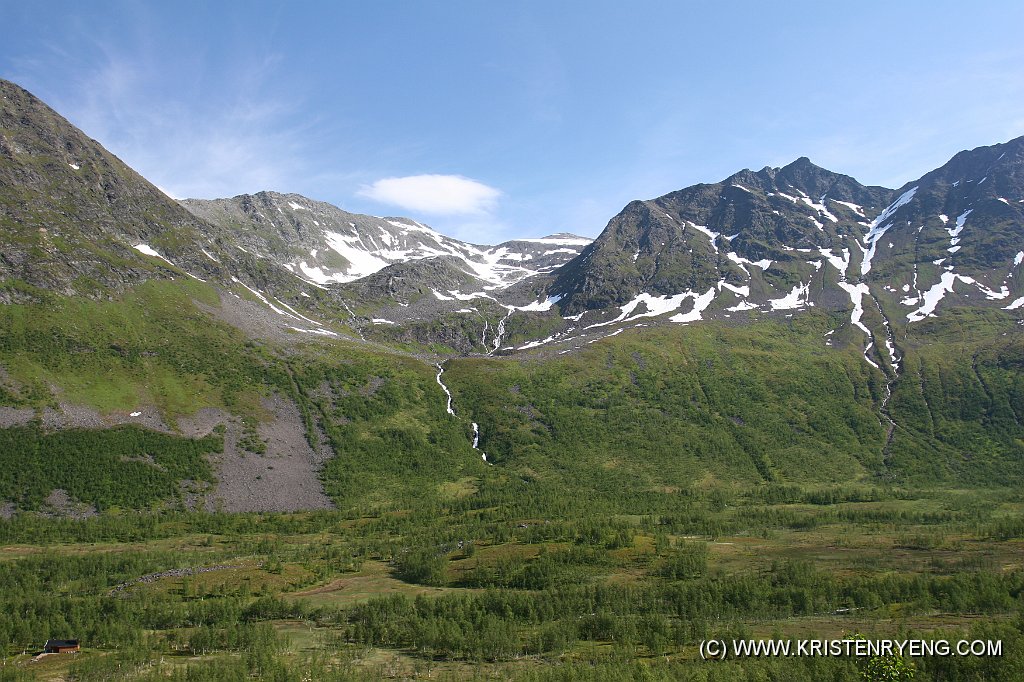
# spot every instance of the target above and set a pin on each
(633, 417)
(663, 408)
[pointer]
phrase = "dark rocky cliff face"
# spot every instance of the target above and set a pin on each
(962, 223)
(682, 241)
(968, 214)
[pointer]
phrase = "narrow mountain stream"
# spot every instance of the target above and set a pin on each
(451, 411)
(890, 377)
(501, 330)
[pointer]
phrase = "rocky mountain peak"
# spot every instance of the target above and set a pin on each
(327, 245)
(73, 213)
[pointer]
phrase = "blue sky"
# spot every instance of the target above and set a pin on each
(490, 120)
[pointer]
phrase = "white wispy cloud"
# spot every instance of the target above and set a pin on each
(434, 194)
(192, 133)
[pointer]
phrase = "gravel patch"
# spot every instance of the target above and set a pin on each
(173, 573)
(69, 416)
(285, 478)
(258, 322)
(203, 422)
(59, 503)
(255, 320)
(14, 416)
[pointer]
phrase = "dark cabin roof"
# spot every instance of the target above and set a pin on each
(54, 643)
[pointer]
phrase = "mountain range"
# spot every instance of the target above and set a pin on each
(779, 239)
(891, 289)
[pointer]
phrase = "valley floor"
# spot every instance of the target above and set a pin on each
(463, 591)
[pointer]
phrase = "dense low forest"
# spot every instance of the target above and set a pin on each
(457, 591)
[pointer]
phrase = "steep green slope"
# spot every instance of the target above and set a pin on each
(668, 408)
(959, 402)
(644, 413)
(671, 407)
(385, 418)
(155, 346)
(150, 346)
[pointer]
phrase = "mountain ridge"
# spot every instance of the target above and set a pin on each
(767, 242)
(328, 245)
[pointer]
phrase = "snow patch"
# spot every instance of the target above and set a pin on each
(956, 230)
(840, 264)
(149, 251)
(316, 274)
(656, 305)
(700, 304)
(878, 228)
(797, 298)
(295, 312)
(764, 263)
(853, 207)
(319, 332)
(933, 296)
(266, 302)
(540, 306)
(821, 209)
(743, 291)
(713, 236)
(361, 263)
(857, 293)
(459, 296)
(608, 336)
(534, 344)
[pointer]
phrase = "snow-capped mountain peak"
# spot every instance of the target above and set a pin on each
(326, 245)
